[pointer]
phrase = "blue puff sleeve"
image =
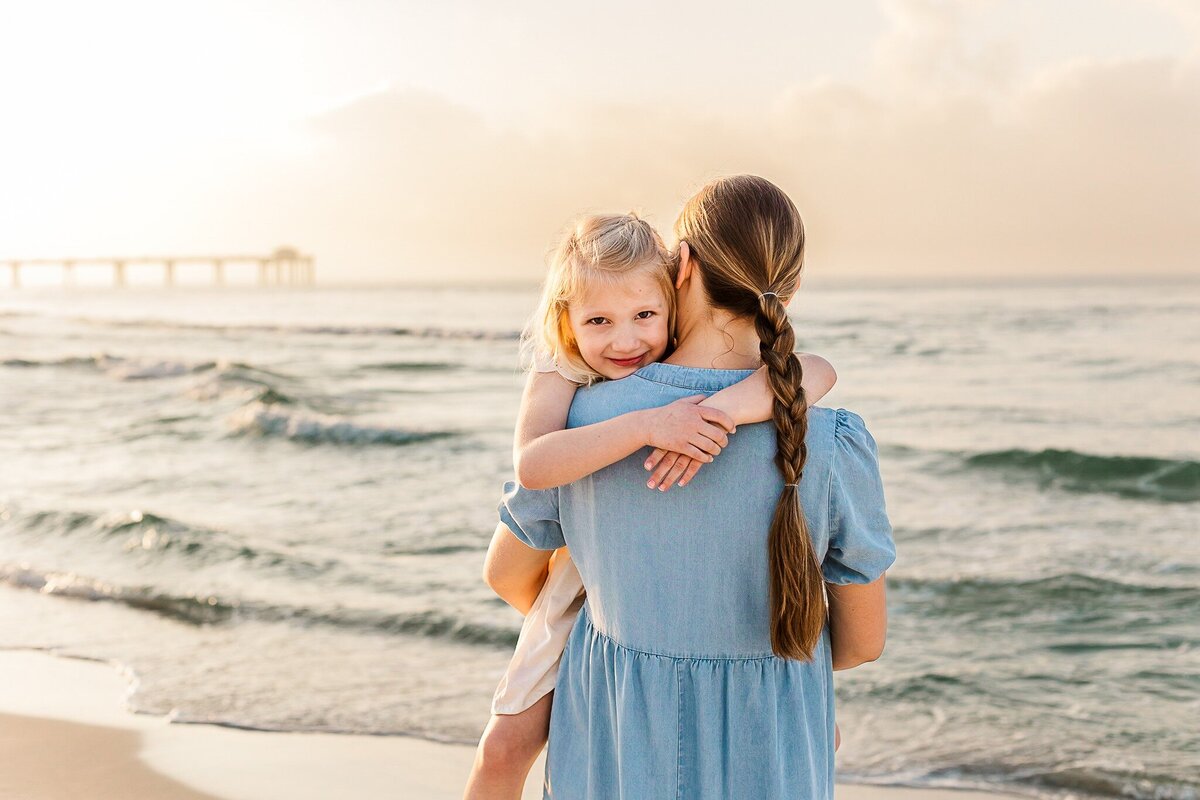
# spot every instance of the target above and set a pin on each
(532, 516)
(860, 536)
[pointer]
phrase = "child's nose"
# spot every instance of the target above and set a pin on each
(626, 342)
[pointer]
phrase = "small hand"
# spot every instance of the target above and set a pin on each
(690, 429)
(670, 466)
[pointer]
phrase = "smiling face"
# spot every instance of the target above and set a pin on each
(622, 325)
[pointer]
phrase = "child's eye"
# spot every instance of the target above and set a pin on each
(645, 314)
(596, 321)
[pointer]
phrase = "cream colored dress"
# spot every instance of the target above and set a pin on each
(534, 666)
(533, 670)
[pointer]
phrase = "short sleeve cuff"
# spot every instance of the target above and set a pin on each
(543, 361)
(532, 516)
(861, 547)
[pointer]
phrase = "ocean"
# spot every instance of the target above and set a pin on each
(271, 508)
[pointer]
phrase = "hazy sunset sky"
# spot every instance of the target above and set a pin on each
(414, 141)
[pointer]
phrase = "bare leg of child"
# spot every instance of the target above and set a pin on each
(509, 746)
(837, 737)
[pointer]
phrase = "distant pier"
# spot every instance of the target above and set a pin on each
(284, 267)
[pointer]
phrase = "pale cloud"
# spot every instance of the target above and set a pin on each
(950, 157)
(925, 53)
(1187, 12)
(1089, 168)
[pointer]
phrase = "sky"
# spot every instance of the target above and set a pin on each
(452, 141)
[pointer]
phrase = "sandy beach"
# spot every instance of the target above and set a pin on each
(64, 733)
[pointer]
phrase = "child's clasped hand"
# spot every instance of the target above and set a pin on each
(685, 435)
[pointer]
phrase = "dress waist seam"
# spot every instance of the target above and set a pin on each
(674, 656)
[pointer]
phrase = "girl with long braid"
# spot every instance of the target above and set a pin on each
(700, 665)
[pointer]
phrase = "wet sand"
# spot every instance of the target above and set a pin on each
(65, 733)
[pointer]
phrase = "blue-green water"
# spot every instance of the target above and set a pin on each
(273, 507)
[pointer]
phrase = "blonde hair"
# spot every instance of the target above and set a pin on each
(748, 242)
(596, 248)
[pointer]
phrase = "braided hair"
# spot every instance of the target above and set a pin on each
(748, 241)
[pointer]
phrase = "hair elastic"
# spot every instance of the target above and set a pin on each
(793, 485)
(764, 294)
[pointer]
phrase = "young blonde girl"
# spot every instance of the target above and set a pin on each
(607, 309)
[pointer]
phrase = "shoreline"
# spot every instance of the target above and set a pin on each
(65, 731)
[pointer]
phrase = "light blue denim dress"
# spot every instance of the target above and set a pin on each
(668, 689)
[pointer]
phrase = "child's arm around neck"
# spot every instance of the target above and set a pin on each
(752, 400)
(547, 454)
(749, 400)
